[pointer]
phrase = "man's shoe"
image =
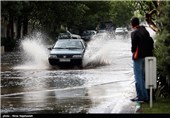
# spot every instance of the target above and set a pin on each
(136, 100)
(133, 99)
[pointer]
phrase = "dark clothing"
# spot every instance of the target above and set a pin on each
(141, 39)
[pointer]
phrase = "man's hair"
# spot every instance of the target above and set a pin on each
(134, 21)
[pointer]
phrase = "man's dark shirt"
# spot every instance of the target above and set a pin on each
(141, 38)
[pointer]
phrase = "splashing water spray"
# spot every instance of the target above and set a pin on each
(97, 52)
(34, 52)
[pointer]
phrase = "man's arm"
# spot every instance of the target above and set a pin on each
(133, 42)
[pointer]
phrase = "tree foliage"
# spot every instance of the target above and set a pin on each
(163, 44)
(76, 15)
(121, 12)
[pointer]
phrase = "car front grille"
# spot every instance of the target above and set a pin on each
(64, 56)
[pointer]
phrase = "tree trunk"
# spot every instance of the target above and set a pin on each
(19, 27)
(10, 30)
(25, 26)
(12, 27)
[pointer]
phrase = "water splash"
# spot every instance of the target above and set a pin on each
(97, 52)
(34, 52)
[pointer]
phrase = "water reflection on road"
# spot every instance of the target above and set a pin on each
(104, 85)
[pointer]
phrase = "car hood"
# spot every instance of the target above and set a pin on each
(67, 51)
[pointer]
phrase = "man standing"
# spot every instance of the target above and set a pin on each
(141, 47)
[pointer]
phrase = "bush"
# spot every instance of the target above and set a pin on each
(162, 50)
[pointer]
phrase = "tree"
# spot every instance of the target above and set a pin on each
(103, 11)
(9, 11)
(121, 12)
(95, 12)
(162, 49)
(48, 16)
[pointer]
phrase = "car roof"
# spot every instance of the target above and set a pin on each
(70, 39)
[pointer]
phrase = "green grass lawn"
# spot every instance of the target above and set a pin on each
(160, 105)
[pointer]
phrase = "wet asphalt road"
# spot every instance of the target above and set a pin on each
(104, 85)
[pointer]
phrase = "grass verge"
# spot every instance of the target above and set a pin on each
(160, 105)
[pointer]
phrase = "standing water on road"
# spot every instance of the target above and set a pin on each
(104, 85)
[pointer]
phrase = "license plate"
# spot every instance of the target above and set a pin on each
(64, 60)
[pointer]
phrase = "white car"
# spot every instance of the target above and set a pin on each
(121, 31)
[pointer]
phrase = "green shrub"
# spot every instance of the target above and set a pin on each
(162, 49)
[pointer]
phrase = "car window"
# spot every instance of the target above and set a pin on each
(74, 44)
(60, 44)
(68, 44)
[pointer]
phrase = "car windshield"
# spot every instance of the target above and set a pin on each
(68, 44)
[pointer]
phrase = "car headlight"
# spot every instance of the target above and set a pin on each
(77, 56)
(53, 56)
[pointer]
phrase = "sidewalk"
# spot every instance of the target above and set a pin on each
(129, 108)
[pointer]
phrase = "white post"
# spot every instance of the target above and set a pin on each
(151, 102)
(150, 80)
(150, 76)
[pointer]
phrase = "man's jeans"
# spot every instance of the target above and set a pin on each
(139, 72)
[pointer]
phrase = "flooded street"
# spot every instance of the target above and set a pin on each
(104, 85)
